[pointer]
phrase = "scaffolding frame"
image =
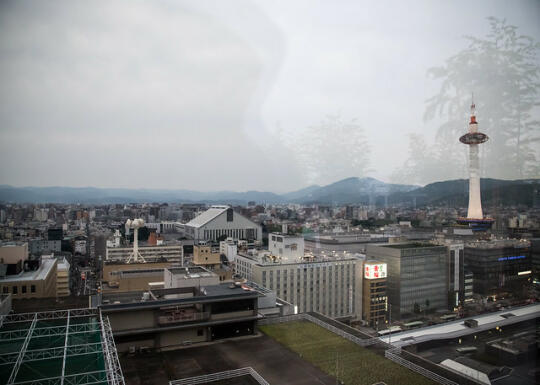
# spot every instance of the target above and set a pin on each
(50, 315)
(22, 352)
(49, 331)
(80, 350)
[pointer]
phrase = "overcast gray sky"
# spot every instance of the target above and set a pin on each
(211, 95)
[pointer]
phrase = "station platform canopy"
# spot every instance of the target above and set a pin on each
(58, 347)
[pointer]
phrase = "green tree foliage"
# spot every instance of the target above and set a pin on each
(503, 71)
(425, 162)
(332, 150)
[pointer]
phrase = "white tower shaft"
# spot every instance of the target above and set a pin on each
(475, 203)
(136, 244)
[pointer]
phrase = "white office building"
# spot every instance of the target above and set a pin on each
(194, 276)
(228, 248)
(328, 285)
(288, 247)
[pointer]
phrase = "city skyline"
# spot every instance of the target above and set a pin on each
(284, 192)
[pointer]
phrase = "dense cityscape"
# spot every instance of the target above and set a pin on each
(273, 257)
(385, 272)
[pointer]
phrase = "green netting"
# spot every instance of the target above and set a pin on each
(52, 367)
(35, 370)
(10, 346)
(15, 326)
(46, 342)
(86, 363)
(5, 372)
(84, 338)
(51, 323)
(83, 320)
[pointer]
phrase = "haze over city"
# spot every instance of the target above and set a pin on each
(292, 192)
(232, 95)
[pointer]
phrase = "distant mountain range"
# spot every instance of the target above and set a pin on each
(455, 193)
(346, 191)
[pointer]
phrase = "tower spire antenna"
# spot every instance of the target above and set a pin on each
(473, 110)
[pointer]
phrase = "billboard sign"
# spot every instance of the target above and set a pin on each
(375, 271)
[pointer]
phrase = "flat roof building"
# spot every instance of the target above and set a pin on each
(13, 253)
(165, 319)
(171, 253)
(288, 247)
(328, 285)
(124, 277)
(38, 283)
(417, 276)
(206, 255)
(498, 265)
(193, 276)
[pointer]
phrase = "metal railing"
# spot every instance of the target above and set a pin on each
(394, 354)
(307, 317)
(50, 315)
(248, 371)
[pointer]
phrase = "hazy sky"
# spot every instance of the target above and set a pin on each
(212, 95)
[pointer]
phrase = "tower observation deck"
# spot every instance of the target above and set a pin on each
(475, 217)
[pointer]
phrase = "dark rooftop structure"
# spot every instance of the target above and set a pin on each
(409, 245)
(175, 317)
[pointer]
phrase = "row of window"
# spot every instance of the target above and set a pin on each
(233, 233)
(15, 289)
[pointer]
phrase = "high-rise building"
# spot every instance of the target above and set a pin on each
(375, 301)
(417, 276)
(498, 265)
(329, 285)
(456, 272)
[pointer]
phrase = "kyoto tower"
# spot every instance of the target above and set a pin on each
(475, 217)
